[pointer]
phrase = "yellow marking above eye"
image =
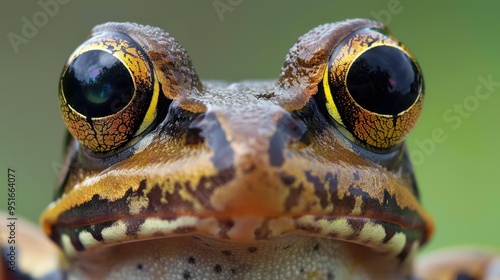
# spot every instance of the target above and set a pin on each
(373, 88)
(108, 92)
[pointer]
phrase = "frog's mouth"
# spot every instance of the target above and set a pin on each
(382, 236)
(385, 227)
(370, 208)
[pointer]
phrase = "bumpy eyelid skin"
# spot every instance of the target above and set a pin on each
(166, 55)
(171, 62)
(306, 61)
(107, 110)
(306, 72)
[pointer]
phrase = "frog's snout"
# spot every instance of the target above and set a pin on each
(262, 140)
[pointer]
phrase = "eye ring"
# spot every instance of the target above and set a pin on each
(108, 92)
(373, 88)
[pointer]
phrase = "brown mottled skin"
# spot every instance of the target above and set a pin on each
(248, 180)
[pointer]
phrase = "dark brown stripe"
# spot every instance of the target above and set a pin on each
(133, 226)
(320, 189)
(293, 197)
(75, 241)
(210, 129)
(289, 129)
(287, 179)
(357, 226)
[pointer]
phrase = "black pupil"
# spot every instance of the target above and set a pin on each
(384, 80)
(97, 84)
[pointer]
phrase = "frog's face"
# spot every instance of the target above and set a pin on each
(239, 172)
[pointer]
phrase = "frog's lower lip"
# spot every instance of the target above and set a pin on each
(383, 236)
(386, 218)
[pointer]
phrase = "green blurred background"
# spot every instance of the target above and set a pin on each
(455, 43)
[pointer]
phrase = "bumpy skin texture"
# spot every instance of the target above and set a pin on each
(239, 181)
(249, 180)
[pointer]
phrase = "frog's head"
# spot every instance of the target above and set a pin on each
(156, 153)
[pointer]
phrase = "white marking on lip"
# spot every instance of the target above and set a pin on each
(152, 226)
(67, 245)
(87, 240)
(116, 232)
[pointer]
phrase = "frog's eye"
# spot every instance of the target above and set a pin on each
(373, 88)
(108, 92)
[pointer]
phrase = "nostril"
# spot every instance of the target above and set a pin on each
(194, 132)
(193, 136)
(290, 130)
(306, 138)
(294, 129)
(299, 130)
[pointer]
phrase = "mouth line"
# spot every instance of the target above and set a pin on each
(86, 216)
(412, 224)
(379, 235)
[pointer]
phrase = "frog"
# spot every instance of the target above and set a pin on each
(167, 176)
